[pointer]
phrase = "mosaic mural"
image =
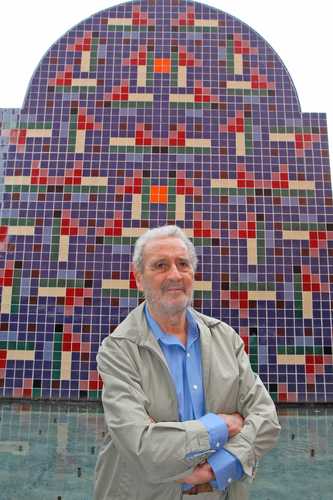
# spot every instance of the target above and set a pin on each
(159, 112)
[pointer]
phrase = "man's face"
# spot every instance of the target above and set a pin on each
(167, 278)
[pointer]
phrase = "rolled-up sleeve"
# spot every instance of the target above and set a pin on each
(217, 430)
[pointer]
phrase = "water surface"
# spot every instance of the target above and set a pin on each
(48, 451)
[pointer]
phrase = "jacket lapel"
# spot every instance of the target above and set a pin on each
(206, 346)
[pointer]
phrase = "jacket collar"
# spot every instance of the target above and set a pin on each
(135, 329)
(135, 326)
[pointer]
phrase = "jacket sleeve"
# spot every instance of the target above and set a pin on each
(162, 449)
(261, 426)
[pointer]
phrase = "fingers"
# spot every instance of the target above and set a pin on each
(234, 422)
(203, 473)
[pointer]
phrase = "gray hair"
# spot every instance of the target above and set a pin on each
(158, 233)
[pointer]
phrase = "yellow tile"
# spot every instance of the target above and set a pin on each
(116, 21)
(291, 359)
(224, 183)
(180, 207)
(136, 206)
(63, 248)
(141, 76)
(282, 137)
(35, 132)
(205, 286)
(310, 185)
(84, 82)
(238, 85)
(307, 305)
(80, 141)
(181, 97)
(295, 235)
(133, 232)
(115, 284)
(182, 76)
(85, 61)
(206, 23)
(137, 97)
(261, 295)
(122, 141)
(197, 143)
(240, 144)
(94, 181)
(66, 365)
(252, 252)
(21, 355)
(6, 299)
(17, 180)
(21, 230)
(238, 64)
(44, 291)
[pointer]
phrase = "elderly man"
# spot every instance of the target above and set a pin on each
(185, 413)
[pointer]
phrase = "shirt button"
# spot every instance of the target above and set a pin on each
(229, 480)
(195, 387)
(188, 355)
(217, 444)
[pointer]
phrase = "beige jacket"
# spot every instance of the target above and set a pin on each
(141, 460)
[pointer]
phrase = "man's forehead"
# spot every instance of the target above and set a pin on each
(160, 247)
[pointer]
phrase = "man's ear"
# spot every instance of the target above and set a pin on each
(138, 278)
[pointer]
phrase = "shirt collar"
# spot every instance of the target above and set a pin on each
(170, 339)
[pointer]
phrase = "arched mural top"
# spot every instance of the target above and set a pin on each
(247, 42)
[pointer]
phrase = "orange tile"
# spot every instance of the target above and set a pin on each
(159, 194)
(162, 65)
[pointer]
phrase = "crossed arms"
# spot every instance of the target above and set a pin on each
(161, 450)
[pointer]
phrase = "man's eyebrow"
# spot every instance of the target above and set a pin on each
(165, 257)
(157, 260)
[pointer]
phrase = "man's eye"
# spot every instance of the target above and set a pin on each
(184, 265)
(160, 266)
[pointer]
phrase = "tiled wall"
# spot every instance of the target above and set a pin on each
(151, 113)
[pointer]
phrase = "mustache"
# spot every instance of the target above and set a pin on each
(174, 285)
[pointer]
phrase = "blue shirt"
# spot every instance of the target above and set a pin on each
(185, 367)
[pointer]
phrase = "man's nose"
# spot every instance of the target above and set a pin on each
(174, 272)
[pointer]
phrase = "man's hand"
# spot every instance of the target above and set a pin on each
(234, 422)
(203, 473)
